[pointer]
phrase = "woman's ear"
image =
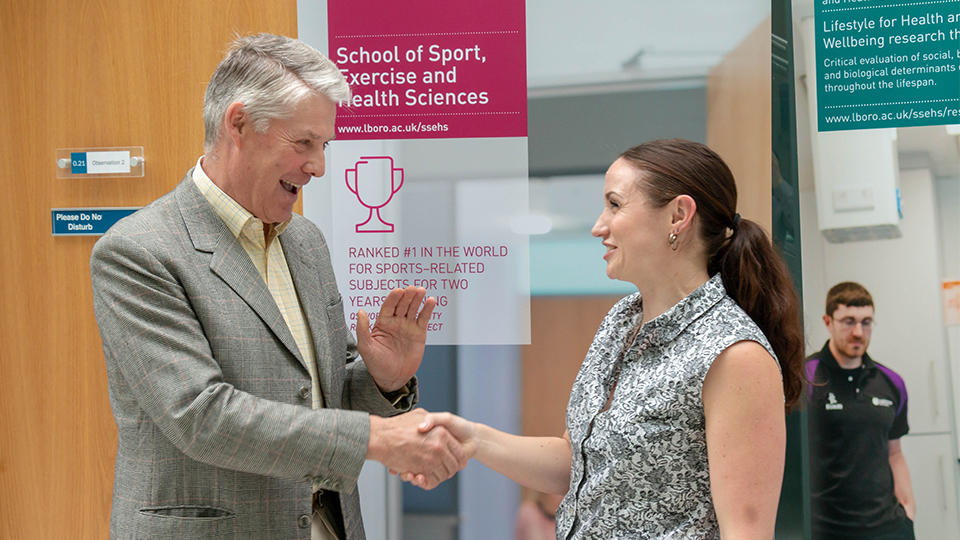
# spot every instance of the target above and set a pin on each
(683, 208)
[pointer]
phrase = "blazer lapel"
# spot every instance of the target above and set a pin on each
(230, 262)
(302, 266)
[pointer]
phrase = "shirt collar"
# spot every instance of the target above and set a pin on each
(668, 325)
(236, 217)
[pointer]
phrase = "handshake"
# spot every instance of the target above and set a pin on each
(424, 448)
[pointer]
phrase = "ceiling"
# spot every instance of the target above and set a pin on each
(571, 42)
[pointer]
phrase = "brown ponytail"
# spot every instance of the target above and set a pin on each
(757, 278)
(753, 272)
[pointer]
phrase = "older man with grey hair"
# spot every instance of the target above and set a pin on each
(244, 407)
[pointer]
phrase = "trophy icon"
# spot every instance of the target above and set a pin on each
(380, 181)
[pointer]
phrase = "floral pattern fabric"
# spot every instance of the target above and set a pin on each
(640, 467)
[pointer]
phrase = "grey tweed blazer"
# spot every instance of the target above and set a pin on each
(211, 395)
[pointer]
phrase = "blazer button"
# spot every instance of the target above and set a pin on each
(304, 392)
(304, 521)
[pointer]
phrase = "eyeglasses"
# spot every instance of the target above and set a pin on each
(849, 323)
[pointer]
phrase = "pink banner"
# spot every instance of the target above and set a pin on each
(430, 69)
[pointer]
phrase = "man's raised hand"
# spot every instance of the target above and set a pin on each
(393, 349)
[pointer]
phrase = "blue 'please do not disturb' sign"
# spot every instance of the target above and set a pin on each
(86, 221)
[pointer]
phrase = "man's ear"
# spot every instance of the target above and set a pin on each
(235, 122)
(683, 208)
(827, 320)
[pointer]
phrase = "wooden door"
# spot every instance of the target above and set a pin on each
(738, 122)
(85, 73)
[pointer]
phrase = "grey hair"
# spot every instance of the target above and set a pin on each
(270, 75)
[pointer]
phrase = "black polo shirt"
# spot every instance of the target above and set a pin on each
(852, 417)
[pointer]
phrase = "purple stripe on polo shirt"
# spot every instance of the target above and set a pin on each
(811, 369)
(898, 383)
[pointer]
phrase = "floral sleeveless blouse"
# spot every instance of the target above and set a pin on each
(640, 468)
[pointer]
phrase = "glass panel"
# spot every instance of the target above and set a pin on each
(879, 207)
(793, 515)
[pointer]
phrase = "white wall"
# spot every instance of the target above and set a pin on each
(948, 215)
(903, 276)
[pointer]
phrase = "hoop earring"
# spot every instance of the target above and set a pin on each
(673, 241)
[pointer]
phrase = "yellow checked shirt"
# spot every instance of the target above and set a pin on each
(270, 261)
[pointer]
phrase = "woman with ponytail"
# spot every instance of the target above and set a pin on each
(675, 426)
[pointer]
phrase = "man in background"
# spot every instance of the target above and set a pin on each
(859, 482)
(242, 405)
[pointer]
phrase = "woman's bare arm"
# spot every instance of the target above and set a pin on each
(539, 463)
(746, 440)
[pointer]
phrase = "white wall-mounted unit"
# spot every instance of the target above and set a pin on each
(856, 172)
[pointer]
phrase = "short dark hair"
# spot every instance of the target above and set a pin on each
(847, 293)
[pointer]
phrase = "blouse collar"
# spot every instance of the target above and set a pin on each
(668, 325)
